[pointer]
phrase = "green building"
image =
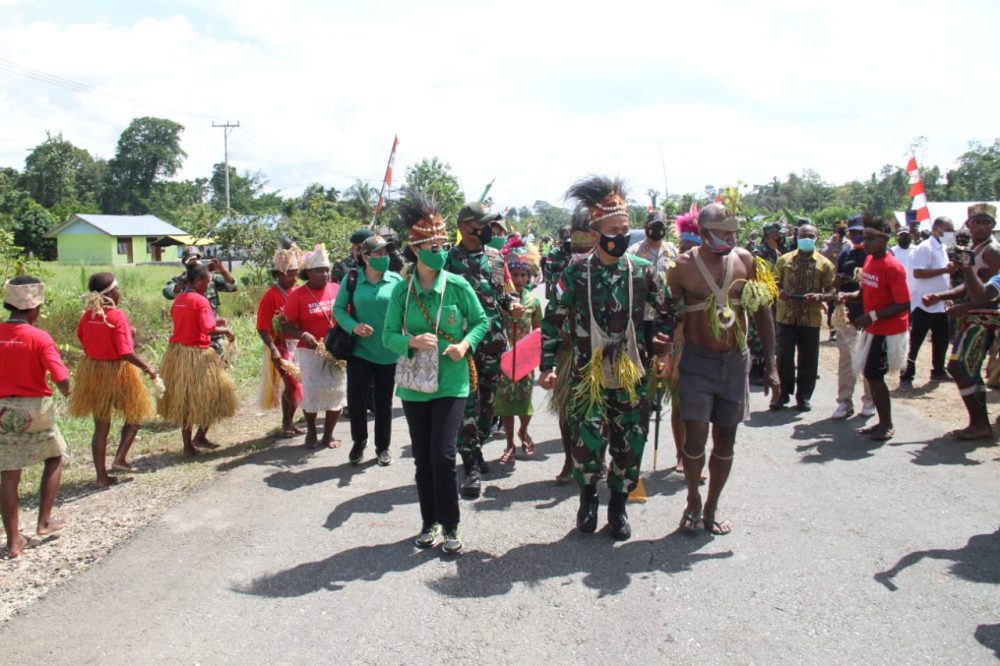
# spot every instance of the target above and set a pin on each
(113, 239)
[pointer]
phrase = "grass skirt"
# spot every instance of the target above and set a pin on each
(558, 399)
(199, 392)
(28, 432)
(324, 386)
(274, 383)
(103, 388)
(897, 351)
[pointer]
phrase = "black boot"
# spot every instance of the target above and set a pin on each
(618, 518)
(472, 485)
(484, 468)
(586, 517)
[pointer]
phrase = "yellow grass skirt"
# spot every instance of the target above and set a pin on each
(199, 392)
(104, 388)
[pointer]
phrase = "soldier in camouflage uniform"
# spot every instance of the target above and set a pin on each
(222, 280)
(349, 263)
(556, 261)
(601, 297)
(484, 268)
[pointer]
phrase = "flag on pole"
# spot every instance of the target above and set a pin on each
(387, 182)
(917, 191)
(482, 197)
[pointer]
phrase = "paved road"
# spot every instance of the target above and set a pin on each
(845, 551)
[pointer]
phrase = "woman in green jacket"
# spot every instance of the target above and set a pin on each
(429, 296)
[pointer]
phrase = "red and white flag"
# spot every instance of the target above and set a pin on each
(917, 191)
(387, 182)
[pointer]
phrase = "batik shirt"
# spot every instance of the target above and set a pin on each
(802, 273)
(609, 288)
(662, 259)
(217, 284)
(484, 270)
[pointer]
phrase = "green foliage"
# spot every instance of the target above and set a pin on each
(30, 223)
(361, 199)
(57, 173)
(977, 177)
(434, 178)
(14, 261)
(148, 150)
(549, 218)
(244, 191)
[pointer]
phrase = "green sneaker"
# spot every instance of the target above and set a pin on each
(452, 542)
(428, 536)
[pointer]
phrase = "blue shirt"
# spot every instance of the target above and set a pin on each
(849, 260)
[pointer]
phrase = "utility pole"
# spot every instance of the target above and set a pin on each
(226, 128)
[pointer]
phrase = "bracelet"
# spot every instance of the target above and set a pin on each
(873, 315)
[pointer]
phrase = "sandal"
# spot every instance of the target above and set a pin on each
(867, 430)
(715, 528)
(527, 444)
(507, 457)
(883, 436)
(692, 522)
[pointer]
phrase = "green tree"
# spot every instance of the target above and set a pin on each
(548, 218)
(434, 178)
(148, 151)
(169, 199)
(243, 190)
(977, 177)
(253, 239)
(31, 221)
(361, 199)
(57, 173)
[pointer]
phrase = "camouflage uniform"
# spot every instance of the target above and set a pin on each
(620, 423)
(217, 284)
(553, 265)
(342, 268)
(484, 270)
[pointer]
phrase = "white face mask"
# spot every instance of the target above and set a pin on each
(948, 238)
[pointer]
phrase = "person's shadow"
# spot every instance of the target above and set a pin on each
(977, 562)
(943, 451)
(830, 440)
(608, 568)
(988, 636)
(380, 501)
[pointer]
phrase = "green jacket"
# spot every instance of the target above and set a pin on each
(462, 317)
(370, 304)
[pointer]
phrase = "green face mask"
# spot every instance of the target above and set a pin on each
(379, 264)
(433, 260)
(498, 242)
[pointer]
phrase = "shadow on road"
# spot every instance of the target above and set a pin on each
(977, 562)
(989, 636)
(833, 440)
(543, 494)
(943, 451)
(292, 480)
(608, 568)
(380, 501)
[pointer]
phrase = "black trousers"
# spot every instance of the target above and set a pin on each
(361, 376)
(805, 341)
(434, 435)
(922, 321)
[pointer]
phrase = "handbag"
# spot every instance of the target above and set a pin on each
(419, 370)
(339, 341)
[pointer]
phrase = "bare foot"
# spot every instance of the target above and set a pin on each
(291, 431)
(310, 441)
(972, 433)
(565, 476)
(107, 481)
(190, 451)
(679, 467)
(205, 444)
(51, 527)
(14, 548)
(124, 467)
(331, 443)
(716, 528)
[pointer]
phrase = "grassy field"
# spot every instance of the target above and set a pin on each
(158, 445)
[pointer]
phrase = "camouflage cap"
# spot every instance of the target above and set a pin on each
(983, 210)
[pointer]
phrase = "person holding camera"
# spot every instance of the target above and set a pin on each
(360, 308)
(221, 281)
(930, 268)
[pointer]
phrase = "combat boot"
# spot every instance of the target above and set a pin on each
(617, 517)
(586, 517)
(472, 485)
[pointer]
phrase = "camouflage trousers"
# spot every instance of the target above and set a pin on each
(477, 423)
(618, 423)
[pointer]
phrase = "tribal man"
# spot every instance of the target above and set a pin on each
(719, 283)
(602, 297)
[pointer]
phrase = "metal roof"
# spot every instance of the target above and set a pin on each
(958, 211)
(122, 225)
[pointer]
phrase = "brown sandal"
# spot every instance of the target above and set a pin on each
(527, 444)
(507, 457)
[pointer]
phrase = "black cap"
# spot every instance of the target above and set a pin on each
(655, 217)
(359, 236)
(476, 213)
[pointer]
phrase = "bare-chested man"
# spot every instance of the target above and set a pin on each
(714, 282)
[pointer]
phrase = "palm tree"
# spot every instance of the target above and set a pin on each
(363, 198)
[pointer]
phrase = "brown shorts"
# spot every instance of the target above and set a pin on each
(713, 385)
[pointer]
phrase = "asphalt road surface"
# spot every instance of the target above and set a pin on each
(844, 551)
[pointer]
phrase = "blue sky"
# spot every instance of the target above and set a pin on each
(536, 94)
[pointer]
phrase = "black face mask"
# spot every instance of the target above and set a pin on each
(485, 235)
(566, 244)
(903, 242)
(614, 245)
(656, 233)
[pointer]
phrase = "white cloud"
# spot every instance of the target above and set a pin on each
(536, 94)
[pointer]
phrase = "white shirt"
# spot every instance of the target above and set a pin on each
(905, 257)
(929, 255)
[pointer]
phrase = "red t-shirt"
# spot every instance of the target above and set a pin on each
(193, 320)
(103, 342)
(26, 354)
(883, 283)
(312, 310)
